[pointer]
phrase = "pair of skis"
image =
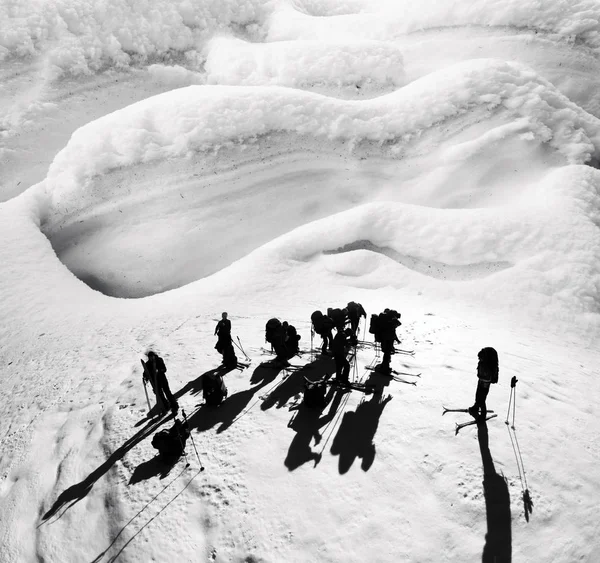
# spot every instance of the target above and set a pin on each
(394, 374)
(365, 343)
(470, 422)
(365, 388)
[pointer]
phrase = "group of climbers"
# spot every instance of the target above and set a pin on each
(284, 340)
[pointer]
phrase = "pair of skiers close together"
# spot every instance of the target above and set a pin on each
(170, 442)
(284, 340)
(214, 389)
(382, 326)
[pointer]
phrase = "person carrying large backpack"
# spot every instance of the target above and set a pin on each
(292, 339)
(487, 373)
(384, 327)
(322, 326)
(340, 356)
(155, 371)
(275, 335)
(355, 312)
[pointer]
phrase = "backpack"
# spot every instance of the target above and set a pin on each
(314, 393)
(170, 443)
(272, 328)
(338, 316)
(214, 390)
(388, 322)
(489, 363)
(374, 325)
(317, 320)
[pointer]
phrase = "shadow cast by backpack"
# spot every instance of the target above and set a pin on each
(307, 423)
(231, 409)
(194, 387)
(293, 384)
(356, 433)
(158, 465)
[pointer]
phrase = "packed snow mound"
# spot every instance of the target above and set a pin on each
(84, 37)
(303, 63)
(577, 20)
(200, 118)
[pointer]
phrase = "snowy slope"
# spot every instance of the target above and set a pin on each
(164, 162)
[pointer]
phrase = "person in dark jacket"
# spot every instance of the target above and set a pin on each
(339, 349)
(156, 371)
(355, 312)
(291, 339)
(323, 326)
(223, 333)
(487, 373)
(224, 343)
(275, 334)
(389, 320)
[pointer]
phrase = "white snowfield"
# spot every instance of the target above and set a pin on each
(162, 162)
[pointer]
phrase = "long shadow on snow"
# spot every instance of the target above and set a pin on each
(155, 466)
(206, 417)
(356, 433)
(293, 384)
(75, 493)
(307, 423)
(498, 540)
(195, 386)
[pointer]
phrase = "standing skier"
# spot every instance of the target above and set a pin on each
(385, 334)
(156, 372)
(487, 373)
(224, 343)
(338, 347)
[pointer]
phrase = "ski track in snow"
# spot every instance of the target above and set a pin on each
(270, 159)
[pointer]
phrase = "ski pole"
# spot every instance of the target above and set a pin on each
(242, 348)
(238, 347)
(513, 383)
(193, 443)
(312, 332)
(509, 405)
(146, 391)
(187, 463)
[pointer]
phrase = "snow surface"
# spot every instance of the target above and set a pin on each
(161, 162)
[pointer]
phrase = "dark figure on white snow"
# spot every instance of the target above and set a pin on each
(214, 389)
(275, 335)
(487, 373)
(224, 343)
(322, 326)
(155, 371)
(170, 443)
(339, 348)
(292, 339)
(384, 326)
(355, 312)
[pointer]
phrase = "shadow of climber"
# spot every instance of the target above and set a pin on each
(307, 423)
(76, 492)
(356, 433)
(498, 540)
